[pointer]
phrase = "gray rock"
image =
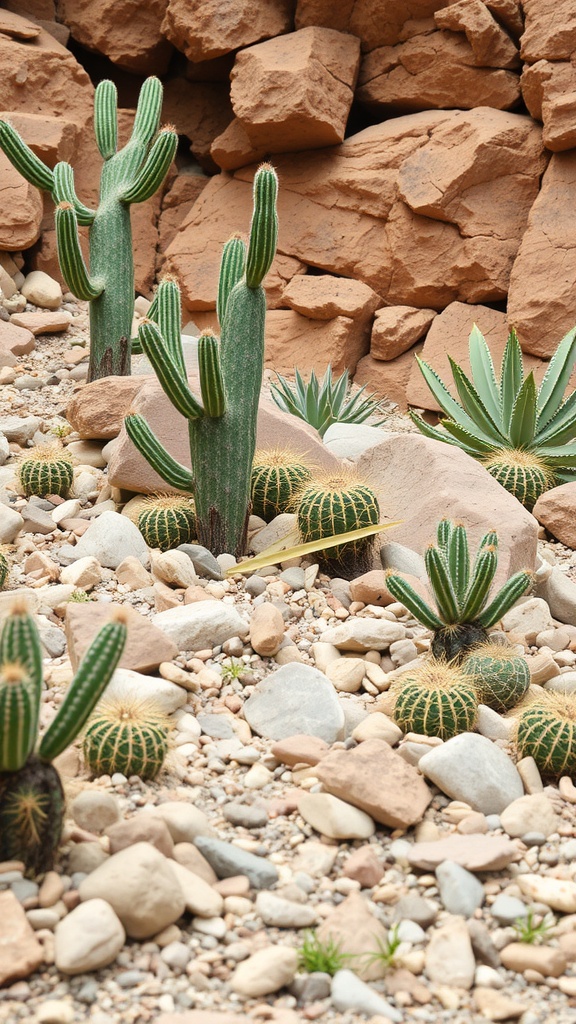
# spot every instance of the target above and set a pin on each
(417, 909)
(507, 909)
(203, 561)
(349, 992)
(398, 556)
(482, 945)
(203, 625)
(294, 577)
(111, 538)
(295, 699)
(559, 592)
(255, 585)
(53, 639)
(349, 440)
(36, 520)
(219, 727)
(19, 428)
(4, 449)
(228, 860)
(246, 815)
(310, 988)
(473, 769)
(460, 890)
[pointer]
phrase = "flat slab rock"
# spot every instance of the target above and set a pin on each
(378, 781)
(146, 648)
(295, 699)
(473, 852)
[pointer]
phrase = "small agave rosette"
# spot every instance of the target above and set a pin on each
(546, 731)
(278, 475)
(500, 675)
(126, 734)
(436, 699)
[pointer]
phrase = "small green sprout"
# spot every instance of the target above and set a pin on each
(533, 929)
(316, 955)
(387, 949)
(79, 596)
(233, 670)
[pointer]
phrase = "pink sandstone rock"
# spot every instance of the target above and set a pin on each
(233, 149)
(388, 379)
(146, 645)
(397, 328)
(323, 297)
(98, 409)
(127, 33)
(491, 45)
(295, 92)
(177, 203)
(203, 29)
(16, 340)
(20, 951)
(199, 110)
(549, 91)
(21, 208)
(556, 510)
(295, 340)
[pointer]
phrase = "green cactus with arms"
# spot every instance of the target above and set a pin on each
(31, 796)
(461, 591)
(222, 427)
(129, 175)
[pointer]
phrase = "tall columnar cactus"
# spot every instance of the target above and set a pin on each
(129, 175)
(222, 428)
(31, 796)
(461, 591)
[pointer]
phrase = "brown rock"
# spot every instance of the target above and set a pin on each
(20, 951)
(550, 30)
(50, 138)
(127, 468)
(388, 379)
(129, 35)
(21, 207)
(300, 749)
(356, 931)
(146, 646)
(497, 1006)
(202, 1017)
(284, 270)
(266, 629)
(378, 781)
(397, 328)
(520, 956)
(42, 323)
(427, 72)
(199, 110)
(547, 90)
(143, 828)
(363, 866)
(555, 510)
(204, 29)
(509, 14)
(323, 297)
(177, 203)
(11, 24)
(371, 589)
(475, 852)
(16, 340)
(491, 45)
(365, 19)
(98, 409)
(559, 116)
(294, 340)
(542, 296)
(232, 148)
(442, 477)
(295, 91)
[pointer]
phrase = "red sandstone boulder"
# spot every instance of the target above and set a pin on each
(177, 203)
(549, 91)
(127, 33)
(51, 138)
(98, 409)
(295, 92)
(550, 30)
(542, 296)
(491, 45)
(388, 379)
(203, 29)
(397, 328)
(322, 297)
(22, 209)
(233, 148)
(365, 19)
(199, 110)
(556, 510)
(310, 344)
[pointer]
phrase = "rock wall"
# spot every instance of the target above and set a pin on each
(426, 154)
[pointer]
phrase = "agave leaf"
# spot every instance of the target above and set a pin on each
(472, 445)
(566, 477)
(338, 399)
(523, 419)
(270, 555)
(561, 426)
(301, 389)
(472, 404)
(484, 376)
(448, 404)
(438, 435)
(511, 377)
(565, 457)
(556, 378)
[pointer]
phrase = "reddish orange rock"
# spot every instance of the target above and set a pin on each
(300, 749)
(491, 45)
(127, 33)
(323, 297)
(364, 866)
(388, 379)
(20, 951)
(204, 29)
(397, 328)
(550, 30)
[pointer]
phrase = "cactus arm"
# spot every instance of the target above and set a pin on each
(154, 169)
(64, 192)
(231, 271)
(264, 226)
(403, 592)
(482, 577)
(166, 312)
(20, 643)
(442, 588)
(156, 455)
(444, 535)
(24, 160)
(505, 598)
(20, 689)
(147, 120)
(459, 562)
(70, 255)
(173, 382)
(106, 118)
(211, 383)
(88, 684)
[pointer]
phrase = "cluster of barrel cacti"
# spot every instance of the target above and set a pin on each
(31, 795)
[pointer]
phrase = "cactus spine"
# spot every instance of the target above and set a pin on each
(461, 591)
(167, 520)
(546, 731)
(48, 469)
(277, 477)
(126, 735)
(222, 430)
(436, 699)
(31, 798)
(501, 676)
(129, 175)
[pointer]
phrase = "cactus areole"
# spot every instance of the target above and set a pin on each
(129, 175)
(222, 428)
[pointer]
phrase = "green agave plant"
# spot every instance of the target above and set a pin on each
(525, 436)
(460, 590)
(320, 405)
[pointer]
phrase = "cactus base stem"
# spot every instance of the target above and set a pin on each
(31, 815)
(455, 641)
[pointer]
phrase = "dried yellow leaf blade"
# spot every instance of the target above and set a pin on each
(270, 555)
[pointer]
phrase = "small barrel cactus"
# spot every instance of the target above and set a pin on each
(167, 520)
(4, 569)
(501, 676)
(46, 469)
(128, 735)
(277, 477)
(523, 473)
(337, 504)
(546, 731)
(435, 699)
